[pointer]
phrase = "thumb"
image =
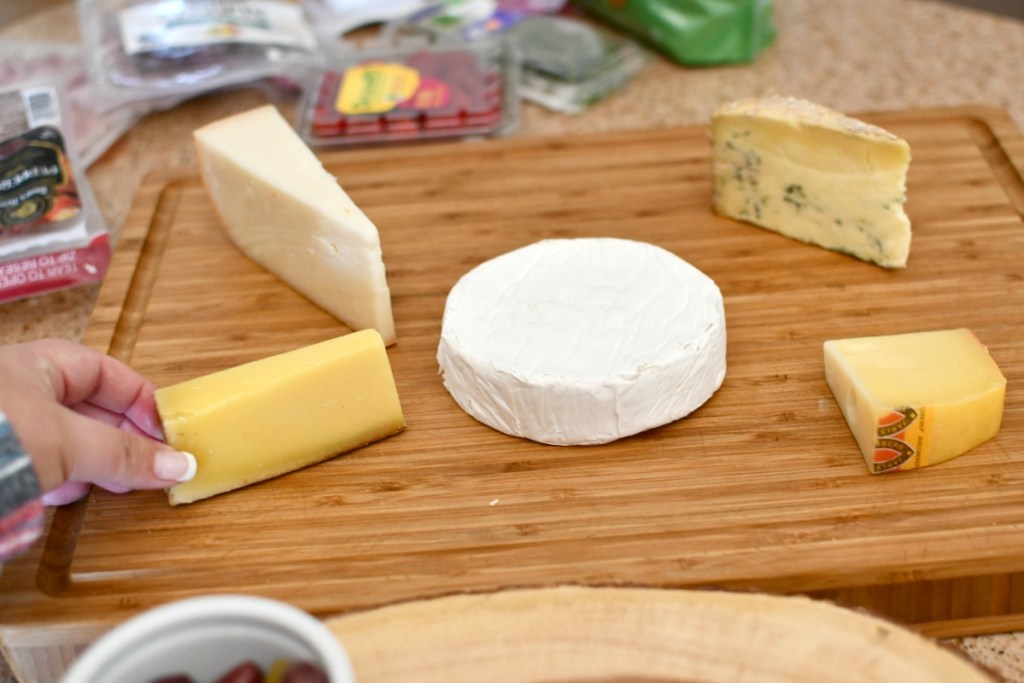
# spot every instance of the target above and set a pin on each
(92, 451)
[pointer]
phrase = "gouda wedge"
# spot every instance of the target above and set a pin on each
(916, 399)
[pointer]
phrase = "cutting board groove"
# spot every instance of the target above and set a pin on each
(761, 489)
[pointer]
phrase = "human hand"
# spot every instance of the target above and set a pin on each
(85, 418)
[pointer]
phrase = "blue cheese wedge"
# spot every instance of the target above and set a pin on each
(582, 341)
(814, 175)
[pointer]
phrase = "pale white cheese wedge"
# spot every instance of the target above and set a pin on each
(916, 399)
(813, 174)
(287, 213)
(582, 341)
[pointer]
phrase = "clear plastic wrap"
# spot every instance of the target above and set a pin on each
(410, 89)
(164, 51)
(569, 64)
(95, 126)
(475, 19)
(332, 19)
(52, 234)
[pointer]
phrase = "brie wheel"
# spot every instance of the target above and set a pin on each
(582, 341)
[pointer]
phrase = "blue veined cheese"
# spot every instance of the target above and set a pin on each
(582, 341)
(814, 175)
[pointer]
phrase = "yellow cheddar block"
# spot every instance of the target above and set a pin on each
(917, 399)
(262, 419)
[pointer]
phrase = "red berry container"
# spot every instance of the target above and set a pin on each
(410, 90)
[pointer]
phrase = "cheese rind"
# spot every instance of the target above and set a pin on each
(916, 399)
(582, 341)
(814, 175)
(258, 420)
(287, 213)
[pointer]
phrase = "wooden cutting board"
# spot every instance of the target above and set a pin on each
(586, 634)
(762, 489)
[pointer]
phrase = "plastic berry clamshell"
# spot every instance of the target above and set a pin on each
(408, 89)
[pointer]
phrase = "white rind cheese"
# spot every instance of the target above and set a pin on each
(814, 175)
(582, 341)
(287, 213)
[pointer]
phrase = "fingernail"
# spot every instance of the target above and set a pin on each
(68, 492)
(175, 465)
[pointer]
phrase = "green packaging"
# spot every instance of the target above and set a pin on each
(694, 32)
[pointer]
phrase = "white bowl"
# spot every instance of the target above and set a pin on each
(205, 638)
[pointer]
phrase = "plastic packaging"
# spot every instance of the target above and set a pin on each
(695, 32)
(412, 89)
(52, 235)
(332, 19)
(569, 64)
(95, 129)
(476, 19)
(164, 51)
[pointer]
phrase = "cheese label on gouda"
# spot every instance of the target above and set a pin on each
(904, 436)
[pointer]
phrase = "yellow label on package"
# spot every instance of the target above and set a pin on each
(904, 436)
(376, 87)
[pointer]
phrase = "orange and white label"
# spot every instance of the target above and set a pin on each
(903, 441)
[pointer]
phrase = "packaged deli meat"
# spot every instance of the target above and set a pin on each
(52, 235)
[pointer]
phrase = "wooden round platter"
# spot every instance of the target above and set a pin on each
(572, 633)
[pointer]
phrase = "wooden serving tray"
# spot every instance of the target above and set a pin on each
(761, 489)
(583, 633)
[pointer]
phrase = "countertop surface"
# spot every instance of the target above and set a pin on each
(850, 55)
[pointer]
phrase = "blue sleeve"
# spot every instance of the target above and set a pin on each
(21, 511)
